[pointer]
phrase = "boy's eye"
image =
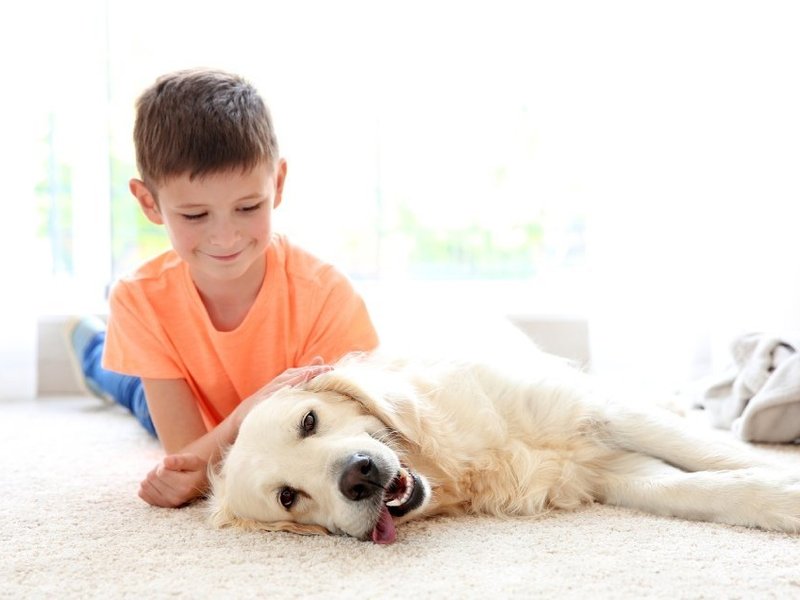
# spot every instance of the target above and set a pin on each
(252, 207)
(194, 217)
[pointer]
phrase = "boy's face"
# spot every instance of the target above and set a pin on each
(220, 224)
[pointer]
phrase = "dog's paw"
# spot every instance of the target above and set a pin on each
(768, 500)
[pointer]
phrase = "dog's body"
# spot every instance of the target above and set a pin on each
(376, 442)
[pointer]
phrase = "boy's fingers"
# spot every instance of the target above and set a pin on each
(318, 370)
(183, 462)
(172, 462)
(307, 373)
(194, 463)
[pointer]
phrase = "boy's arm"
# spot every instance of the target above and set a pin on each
(181, 475)
(174, 412)
(177, 420)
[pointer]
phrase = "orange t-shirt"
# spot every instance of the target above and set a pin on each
(159, 329)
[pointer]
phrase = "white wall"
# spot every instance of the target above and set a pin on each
(675, 124)
(18, 287)
(694, 225)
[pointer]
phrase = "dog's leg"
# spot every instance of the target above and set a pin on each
(748, 497)
(675, 440)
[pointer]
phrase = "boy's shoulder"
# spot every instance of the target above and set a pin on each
(160, 272)
(300, 264)
(165, 265)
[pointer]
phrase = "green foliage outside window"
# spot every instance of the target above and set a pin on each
(133, 237)
(465, 250)
(472, 251)
(54, 203)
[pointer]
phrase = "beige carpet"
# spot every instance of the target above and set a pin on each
(72, 526)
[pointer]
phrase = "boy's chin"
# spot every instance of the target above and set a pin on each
(227, 269)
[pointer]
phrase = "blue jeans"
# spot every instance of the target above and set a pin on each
(124, 389)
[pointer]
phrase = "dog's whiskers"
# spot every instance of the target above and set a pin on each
(389, 437)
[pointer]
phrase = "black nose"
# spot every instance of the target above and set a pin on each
(360, 478)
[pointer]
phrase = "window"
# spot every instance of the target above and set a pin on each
(405, 161)
(485, 148)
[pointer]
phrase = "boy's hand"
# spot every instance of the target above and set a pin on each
(176, 480)
(289, 378)
(296, 376)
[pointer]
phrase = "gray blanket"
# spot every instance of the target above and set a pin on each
(759, 397)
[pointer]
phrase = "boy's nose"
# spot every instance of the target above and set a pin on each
(224, 235)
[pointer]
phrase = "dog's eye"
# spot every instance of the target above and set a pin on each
(309, 423)
(287, 497)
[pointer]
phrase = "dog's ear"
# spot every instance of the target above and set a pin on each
(231, 520)
(289, 526)
(225, 518)
(384, 397)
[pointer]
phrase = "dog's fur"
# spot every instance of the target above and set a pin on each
(473, 438)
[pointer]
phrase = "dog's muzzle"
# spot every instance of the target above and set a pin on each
(361, 479)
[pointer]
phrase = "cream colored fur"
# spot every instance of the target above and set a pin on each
(487, 439)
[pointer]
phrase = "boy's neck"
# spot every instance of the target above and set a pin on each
(228, 302)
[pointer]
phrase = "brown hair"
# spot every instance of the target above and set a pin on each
(200, 122)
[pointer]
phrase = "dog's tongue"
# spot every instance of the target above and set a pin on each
(384, 532)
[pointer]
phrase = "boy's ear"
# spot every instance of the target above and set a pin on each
(146, 201)
(280, 179)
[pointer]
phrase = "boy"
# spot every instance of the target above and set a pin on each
(231, 307)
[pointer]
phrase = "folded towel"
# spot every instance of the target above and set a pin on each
(758, 398)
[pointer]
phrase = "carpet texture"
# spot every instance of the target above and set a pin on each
(72, 526)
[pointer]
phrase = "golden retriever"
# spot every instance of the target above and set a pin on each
(379, 441)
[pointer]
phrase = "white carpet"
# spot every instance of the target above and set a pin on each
(72, 526)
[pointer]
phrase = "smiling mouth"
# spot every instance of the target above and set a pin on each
(404, 493)
(226, 257)
(397, 494)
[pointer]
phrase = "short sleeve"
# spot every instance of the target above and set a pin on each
(136, 343)
(343, 323)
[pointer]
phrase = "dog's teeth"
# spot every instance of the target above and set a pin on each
(407, 494)
(409, 489)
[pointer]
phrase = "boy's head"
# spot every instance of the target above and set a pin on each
(211, 173)
(200, 122)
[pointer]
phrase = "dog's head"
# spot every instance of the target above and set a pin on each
(323, 458)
